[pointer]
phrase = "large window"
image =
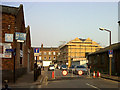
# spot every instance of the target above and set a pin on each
(45, 53)
(45, 58)
(40, 58)
(54, 53)
(49, 58)
(49, 53)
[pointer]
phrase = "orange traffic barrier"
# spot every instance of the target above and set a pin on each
(53, 74)
(94, 74)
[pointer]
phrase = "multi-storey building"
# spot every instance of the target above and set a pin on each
(14, 64)
(76, 51)
(47, 55)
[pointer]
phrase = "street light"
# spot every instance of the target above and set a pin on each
(102, 29)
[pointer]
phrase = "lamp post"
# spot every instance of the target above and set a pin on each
(102, 29)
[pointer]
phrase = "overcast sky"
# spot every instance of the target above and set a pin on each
(54, 22)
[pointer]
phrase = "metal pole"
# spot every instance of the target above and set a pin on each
(36, 68)
(14, 53)
(110, 57)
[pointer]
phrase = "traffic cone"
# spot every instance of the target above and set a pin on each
(53, 74)
(94, 74)
(98, 74)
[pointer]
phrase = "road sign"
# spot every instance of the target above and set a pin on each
(64, 72)
(80, 72)
(9, 50)
(110, 51)
(36, 50)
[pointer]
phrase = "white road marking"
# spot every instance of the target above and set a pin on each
(92, 86)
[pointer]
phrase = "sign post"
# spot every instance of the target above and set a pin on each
(110, 56)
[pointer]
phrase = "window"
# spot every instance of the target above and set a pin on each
(39, 58)
(54, 53)
(40, 53)
(49, 58)
(44, 58)
(49, 53)
(45, 53)
(35, 58)
(54, 58)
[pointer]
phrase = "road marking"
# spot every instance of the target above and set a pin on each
(92, 86)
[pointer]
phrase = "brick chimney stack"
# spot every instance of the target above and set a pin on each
(41, 45)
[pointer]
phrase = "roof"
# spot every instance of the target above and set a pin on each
(47, 48)
(10, 10)
(82, 39)
(113, 47)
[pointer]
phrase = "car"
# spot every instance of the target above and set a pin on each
(51, 67)
(59, 66)
(71, 69)
(63, 67)
(82, 68)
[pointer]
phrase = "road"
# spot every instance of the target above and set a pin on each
(79, 82)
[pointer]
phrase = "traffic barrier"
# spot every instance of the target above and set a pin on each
(98, 74)
(53, 74)
(94, 74)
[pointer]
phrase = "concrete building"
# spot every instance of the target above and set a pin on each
(100, 60)
(13, 22)
(75, 51)
(47, 55)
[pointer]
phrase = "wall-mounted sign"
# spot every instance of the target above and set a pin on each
(8, 37)
(21, 53)
(5, 53)
(20, 37)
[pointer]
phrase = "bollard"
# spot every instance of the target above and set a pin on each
(94, 74)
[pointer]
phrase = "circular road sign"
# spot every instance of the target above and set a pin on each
(80, 72)
(64, 72)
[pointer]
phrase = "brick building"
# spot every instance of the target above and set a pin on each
(13, 21)
(100, 60)
(47, 55)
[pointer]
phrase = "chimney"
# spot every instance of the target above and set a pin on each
(41, 45)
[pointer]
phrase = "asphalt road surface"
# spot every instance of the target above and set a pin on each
(76, 81)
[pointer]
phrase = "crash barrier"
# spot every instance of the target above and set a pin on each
(60, 74)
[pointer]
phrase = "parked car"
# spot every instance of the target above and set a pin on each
(51, 67)
(59, 66)
(63, 67)
(71, 69)
(80, 67)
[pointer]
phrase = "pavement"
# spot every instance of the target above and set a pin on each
(27, 81)
(114, 78)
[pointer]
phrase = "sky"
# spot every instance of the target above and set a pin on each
(52, 23)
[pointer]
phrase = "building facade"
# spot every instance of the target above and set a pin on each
(21, 61)
(100, 60)
(47, 55)
(76, 51)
